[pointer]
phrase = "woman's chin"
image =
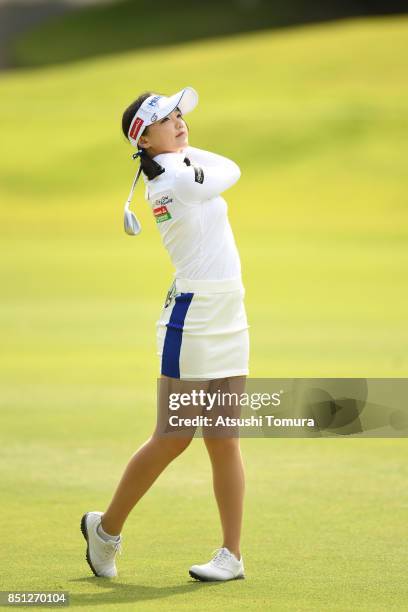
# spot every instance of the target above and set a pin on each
(182, 141)
(183, 145)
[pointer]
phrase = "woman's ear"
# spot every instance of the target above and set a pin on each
(143, 143)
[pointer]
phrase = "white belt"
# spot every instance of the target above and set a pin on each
(211, 286)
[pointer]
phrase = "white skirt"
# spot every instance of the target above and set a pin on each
(202, 332)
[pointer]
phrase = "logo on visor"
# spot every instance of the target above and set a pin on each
(153, 101)
(153, 118)
(136, 128)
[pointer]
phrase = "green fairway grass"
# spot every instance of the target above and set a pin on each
(316, 117)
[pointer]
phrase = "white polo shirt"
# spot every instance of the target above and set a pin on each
(192, 216)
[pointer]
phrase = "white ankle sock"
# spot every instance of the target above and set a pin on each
(105, 536)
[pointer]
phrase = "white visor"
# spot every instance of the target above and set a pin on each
(156, 107)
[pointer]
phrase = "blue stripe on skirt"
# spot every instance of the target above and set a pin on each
(174, 335)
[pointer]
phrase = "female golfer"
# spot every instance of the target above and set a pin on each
(202, 331)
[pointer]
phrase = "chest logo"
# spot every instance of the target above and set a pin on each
(160, 211)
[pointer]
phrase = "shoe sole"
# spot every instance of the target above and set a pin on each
(203, 579)
(85, 534)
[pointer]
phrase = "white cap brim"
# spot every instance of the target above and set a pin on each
(186, 100)
(156, 107)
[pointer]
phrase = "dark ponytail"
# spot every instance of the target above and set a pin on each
(149, 167)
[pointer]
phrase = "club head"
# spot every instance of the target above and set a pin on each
(132, 225)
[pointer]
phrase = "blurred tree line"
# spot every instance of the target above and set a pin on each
(124, 25)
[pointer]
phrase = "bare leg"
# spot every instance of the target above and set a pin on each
(149, 461)
(228, 477)
(142, 470)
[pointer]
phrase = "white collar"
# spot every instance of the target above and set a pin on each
(168, 161)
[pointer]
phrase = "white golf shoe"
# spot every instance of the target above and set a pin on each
(100, 554)
(223, 566)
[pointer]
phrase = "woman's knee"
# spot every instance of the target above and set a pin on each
(171, 445)
(221, 444)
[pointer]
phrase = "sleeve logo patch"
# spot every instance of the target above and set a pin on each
(160, 210)
(198, 174)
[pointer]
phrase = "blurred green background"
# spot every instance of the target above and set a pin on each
(103, 27)
(316, 117)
